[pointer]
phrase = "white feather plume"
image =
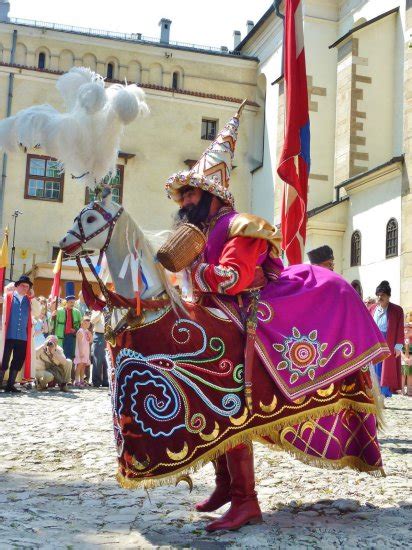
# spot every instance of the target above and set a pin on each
(86, 138)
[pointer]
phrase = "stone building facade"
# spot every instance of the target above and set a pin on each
(358, 58)
(359, 68)
(191, 92)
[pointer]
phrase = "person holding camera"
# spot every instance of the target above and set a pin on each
(52, 365)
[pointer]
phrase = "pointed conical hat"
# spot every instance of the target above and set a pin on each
(212, 171)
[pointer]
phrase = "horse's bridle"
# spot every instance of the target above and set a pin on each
(110, 223)
(150, 304)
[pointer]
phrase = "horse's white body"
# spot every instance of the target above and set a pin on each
(127, 238)
(127, 243)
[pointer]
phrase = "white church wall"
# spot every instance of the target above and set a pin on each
(369, 212)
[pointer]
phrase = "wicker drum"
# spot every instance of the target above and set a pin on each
(182, 248)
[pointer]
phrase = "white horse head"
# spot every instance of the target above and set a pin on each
(91, 227)
(106, 226)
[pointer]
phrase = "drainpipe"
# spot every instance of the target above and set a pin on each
(8, 113)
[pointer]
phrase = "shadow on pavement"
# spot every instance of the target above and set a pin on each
(88, 514)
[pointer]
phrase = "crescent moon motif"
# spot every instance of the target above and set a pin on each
(326, 392)
(348, 388)
(213, 435)
(299, 401)
(241, 420)
(309, 425)
(180, 455)
(285, 432)
(141, 465)
(188, 480)
(271, 407)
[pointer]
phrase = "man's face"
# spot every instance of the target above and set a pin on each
(191, 197)
(51, 346)
(70, 304)
(329, 264)
(195, 206)
(23, 289)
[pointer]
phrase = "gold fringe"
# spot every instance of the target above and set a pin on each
(378, 398)
(256, 434)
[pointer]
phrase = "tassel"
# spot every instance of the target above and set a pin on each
(135, 267)
(125, 265)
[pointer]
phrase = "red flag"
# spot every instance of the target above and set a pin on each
(294, 163)
(4, 255)
(57, 271)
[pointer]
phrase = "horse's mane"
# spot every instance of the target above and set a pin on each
(149, 242)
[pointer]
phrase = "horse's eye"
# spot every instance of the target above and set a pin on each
(91, 219)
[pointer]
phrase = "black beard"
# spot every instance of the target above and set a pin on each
(195, 214)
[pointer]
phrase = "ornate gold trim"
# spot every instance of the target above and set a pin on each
(270, 430)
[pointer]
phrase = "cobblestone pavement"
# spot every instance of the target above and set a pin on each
(57, 488)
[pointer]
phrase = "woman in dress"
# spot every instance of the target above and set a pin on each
(82, 355)
(390, 320)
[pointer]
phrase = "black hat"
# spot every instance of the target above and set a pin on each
(23, 279)
(320, 255)
(384, 287)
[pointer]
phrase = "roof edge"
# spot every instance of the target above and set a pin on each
(362, 26)
(256, 27)
(394, 160)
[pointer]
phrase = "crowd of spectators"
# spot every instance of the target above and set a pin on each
(64, 343)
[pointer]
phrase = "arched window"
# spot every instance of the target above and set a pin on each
(42, 60)
(358, 287)
(355, 249)
(175, 80)
(110, 71)
(392, 238)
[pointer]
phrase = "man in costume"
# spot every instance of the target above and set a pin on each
(322, 256)
(19, 308)
(67, 321)
(240, 272)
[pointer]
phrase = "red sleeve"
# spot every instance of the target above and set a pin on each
(400, 337)
(236, 268)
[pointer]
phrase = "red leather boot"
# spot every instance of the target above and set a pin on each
(244, 506)
(221, 494)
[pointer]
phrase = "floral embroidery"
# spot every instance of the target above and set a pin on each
(303, 354)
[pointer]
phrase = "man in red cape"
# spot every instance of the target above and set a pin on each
(18, 308)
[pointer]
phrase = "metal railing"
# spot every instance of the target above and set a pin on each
(130, 37)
